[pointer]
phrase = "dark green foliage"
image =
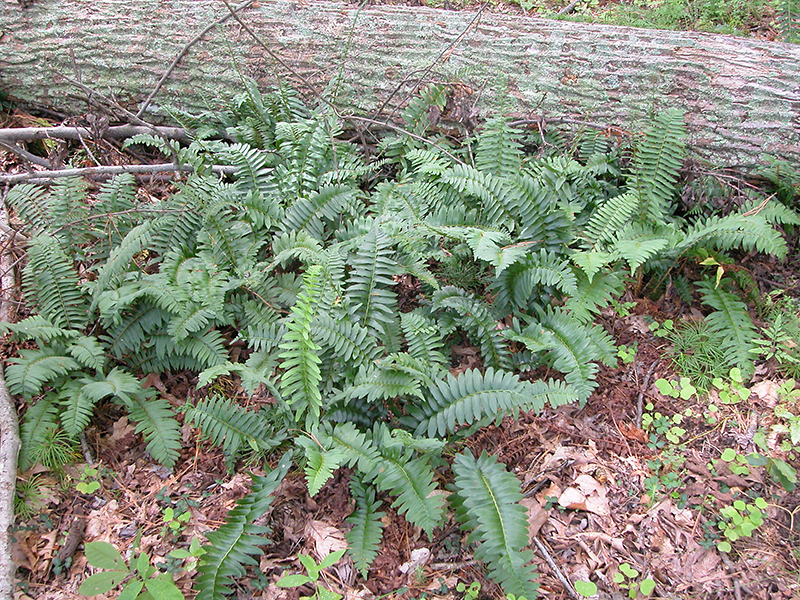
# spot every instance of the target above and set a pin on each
(349, 291)
(238, 541)
(487, 503)
(789, 20)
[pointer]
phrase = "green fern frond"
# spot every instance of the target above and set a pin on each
(33, 205)
(657, 160)
(423, 338)
(498, 203)
(416, 115)
(613, 215)
(236, 543)
(374, 304)
(592, 294)
(498, 151)
(789, 20)
(29, 373)
(301, 378)
(515, 286)
(88, 351)
(253, 172)
(749, 230)
(326, 204)
(320, 462)
(351, 344)
(39, 328)
(638, 244)
(155, 419)
(474, 396)
(76, 406)
(475, 317)
(227, 425)
(487, 500)
(366, 531)
(299, 245)
(51, 284)
(138, 239)
(731, 323)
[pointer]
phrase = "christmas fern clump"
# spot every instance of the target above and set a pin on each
(341, 294)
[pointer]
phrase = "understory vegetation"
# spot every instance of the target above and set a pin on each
(331, 291)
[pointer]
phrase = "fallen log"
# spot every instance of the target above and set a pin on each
(741, 96)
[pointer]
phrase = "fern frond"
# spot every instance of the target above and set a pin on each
(301, 378)
(475, 317)
(656, 163)
(320, 462)
(612, 216)
(746, 230)
(39, 328)
(374, 304)
(51, 284)
(227, 425)
(88, 351)
(38, 420)
(423, 338)
(366, 532)
(638, 244)
(487, 500)
(156, 421)
(351, 344)
(731, 323)
(592, 294)
(789, 20)
(475, 396)
(29, 373)
(326, 204)
(33, 205)
(236, 543)
(498, 151)
(515, 286)
(138, 239)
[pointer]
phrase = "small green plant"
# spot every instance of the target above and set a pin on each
(683, 389)
(622, 309)
(662, 428)
(627, 577)
(88, 483)
(470, 592)
(175, 522)
(627, 355)
(732, 391)
(313, 571)
(737, 463)
(28, 497)
(193, 554)
(587, 589)
(139, 580)
(664, 329)
(739, 520)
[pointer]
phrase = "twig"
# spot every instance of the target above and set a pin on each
(401, 130)
(8, 282)
(546, 555)
(640, 399)
(737, 589)
(9, 448)
(182, 53)
(39, 176)
(76, 133)
(37, 160)
(569, 7)
(445, 52)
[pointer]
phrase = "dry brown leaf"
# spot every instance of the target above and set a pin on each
(537, 516)
(326, 538)
(101, 522)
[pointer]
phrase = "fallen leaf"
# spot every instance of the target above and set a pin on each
(419, 558)
(537, 516)
(326, 538)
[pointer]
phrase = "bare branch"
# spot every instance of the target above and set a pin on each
(77, 133)
(40, 176)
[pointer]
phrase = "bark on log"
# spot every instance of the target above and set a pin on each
(741, 96)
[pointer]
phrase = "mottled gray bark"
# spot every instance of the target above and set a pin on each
(741, 96)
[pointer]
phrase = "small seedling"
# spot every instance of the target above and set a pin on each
(587, 589)
(627, 355)
(662, 329)
(471, 592)
(661, 426)
(175, 523)
(194, 553)
(89, 482)
(740, 520)
(313, 571)
(139, 580)
(683, 389)
(626, 579)
(733, 391)
(623, 309)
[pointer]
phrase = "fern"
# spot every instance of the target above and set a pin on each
(789, 20)
(498, 151)
(366, 523)
(515, 286)
(301, 377)
(487, 501)
(29, 373)
(38, 420)
(732, 325)
(369, 284)
(474, 397)
(230, 426)
(656, 163)
(237, 542)
(612, 216)
(320, 462)
(155, 419)
(52, 285)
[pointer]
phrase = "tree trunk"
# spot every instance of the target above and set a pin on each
(741, 96)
